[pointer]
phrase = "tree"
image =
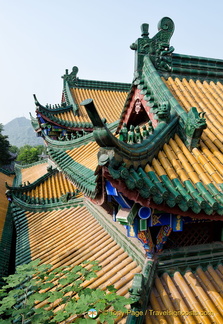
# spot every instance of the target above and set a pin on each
(4, 148)
(28, 154)
(14, 149)
(34, 283)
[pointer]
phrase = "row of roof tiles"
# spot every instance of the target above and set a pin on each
(33, 172)
(79, 165)
(193, 297)
(54, 187)
(207, 97)
(48, 191)
(108, 103)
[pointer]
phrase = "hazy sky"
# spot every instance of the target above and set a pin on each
(41, 38)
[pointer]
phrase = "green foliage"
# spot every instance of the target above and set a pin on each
(4, 148)
(34, 283)
(28, 154)
(14, 149)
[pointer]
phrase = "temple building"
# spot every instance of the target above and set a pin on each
(133, 178)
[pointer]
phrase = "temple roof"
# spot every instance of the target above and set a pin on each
(53, 188)
(166, 154)
(110, 97)
(62, 238)
(163, 170)
(32, 172)
(79, 164)
(177, 165)
(169, 152)
(176, 177)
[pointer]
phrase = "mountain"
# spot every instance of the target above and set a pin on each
(20, 132)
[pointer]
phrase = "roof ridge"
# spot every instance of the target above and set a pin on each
(102, 85)
(47, 206)
(83, 177)
(131, 246)
(190, 257)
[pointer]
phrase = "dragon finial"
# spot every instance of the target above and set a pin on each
(195, 124)
(158, 47)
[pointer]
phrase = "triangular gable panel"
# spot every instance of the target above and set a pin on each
(138, 111)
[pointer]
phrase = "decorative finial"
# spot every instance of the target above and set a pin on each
(36, 101)
(166, 24)
(75, 71)
(145, 30)
(71, 77)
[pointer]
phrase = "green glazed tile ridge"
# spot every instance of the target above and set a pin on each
(180, 259)
(25, 166)
(72, 81)
(70, 98)
(83, 177)
(85, 139)
(33, 185)
(70, 124)
(48, 205)
(23, 254)
(34, 122)
(132, 249)
(137, 154)
(18, 177)
(6, 245)
(140, 292)
(55, 109)
(197, 67)
(103, 85)
(151, 75)
(7, 172)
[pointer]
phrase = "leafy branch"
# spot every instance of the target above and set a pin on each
(38, 294)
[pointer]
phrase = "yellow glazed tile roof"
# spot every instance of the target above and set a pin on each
(69, 116)
(53, 187)
(195, 177)
(108, 103)
(202, 166)
(34, 172)
(192, 298)
(70, 236)
(176, 161)
(206, 97)
(85, 155)
(3, 200)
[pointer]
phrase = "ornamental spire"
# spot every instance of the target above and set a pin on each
(158, 47)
